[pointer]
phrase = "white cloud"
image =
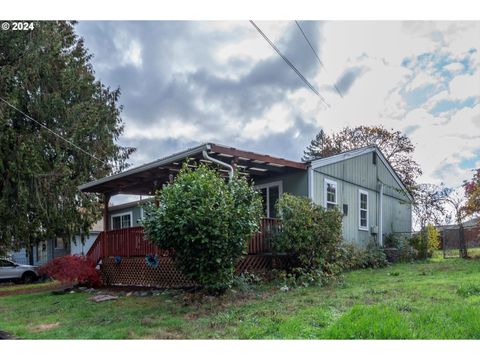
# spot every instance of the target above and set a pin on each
(464, 86)
(277, 120)
(454, 67)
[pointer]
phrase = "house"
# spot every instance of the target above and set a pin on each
(360, 183)
(44, 251)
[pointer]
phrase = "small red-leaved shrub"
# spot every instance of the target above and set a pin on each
(72, 269)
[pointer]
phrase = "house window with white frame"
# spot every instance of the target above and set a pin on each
(122, 221)
(270, 194)
(330, 194)
(363, 209)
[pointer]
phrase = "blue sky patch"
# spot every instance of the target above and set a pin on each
(447, 105)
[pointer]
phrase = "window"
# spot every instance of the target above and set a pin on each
(330, 194)
(270, 194)
(363, 209)
(121, 221)
(5, 263)
(59, 243)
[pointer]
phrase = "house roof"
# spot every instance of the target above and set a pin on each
(144, 179)
(359, 152)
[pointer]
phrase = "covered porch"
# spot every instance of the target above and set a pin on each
(146, 179)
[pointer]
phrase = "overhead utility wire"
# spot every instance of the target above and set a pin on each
(53, 132)
(289, 63)
(316, 55)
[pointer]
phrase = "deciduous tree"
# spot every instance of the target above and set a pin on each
(395, 146)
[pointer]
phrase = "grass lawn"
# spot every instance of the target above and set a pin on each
(435, 300)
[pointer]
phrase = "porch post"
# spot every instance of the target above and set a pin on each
(106, 200)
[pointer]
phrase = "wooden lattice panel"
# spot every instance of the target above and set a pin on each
(134, 271)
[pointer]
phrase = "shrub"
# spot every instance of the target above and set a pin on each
(72, 269)
(403, 244)
(426, 241)
(310, 235)
(355, 257)
(207, 222)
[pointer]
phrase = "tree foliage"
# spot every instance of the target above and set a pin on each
(72, 269)
(472, 191)
(207, 222)
(426, 241)
(395, 146)
(47, 74)
(429, 204)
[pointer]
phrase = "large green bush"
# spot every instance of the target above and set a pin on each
(310, 236)
(426, 241)
(207, 222)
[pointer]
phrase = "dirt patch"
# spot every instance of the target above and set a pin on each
(44, 327)
(32, 290)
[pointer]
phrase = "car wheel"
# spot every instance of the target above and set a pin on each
(28, 277)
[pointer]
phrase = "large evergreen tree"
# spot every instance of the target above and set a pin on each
(46, 73)
(396, 147)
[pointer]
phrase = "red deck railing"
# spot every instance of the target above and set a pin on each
(131, 242)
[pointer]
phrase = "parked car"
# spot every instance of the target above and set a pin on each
(10, 270)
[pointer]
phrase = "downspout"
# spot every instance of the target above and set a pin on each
(221, 163)
(380, 217)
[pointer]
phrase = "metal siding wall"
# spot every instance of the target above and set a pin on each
(391, 186)
(295, 184)
(348, 194)
(361, 170)
(396, 216)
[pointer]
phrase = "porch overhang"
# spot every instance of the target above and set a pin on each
(145, 179)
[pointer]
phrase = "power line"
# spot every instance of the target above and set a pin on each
(53, 132)
(289, 63)
(316, 54)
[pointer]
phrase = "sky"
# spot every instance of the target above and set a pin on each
(188, 82)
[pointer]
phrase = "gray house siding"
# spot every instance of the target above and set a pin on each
(43, 252)
(295, 184)
(361, 173)
(134, 210)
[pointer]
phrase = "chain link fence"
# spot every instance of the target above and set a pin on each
(451, 243)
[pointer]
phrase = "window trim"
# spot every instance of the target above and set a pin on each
(120, 215)
(325, 186)
(278, 183)
(360, 227)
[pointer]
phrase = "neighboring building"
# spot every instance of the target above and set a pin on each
(77, 247)
(361, 183)
(43, 252)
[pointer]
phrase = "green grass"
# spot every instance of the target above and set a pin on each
(439, 299)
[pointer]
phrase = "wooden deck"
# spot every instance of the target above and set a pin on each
(131, 242)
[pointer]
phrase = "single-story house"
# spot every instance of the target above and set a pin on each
(360, 183)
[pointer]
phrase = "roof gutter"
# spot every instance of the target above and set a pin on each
(221, 163)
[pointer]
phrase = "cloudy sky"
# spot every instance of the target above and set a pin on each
(188, 82)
